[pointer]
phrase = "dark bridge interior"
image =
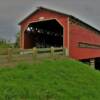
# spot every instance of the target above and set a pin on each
(97, 63)
(44, 34)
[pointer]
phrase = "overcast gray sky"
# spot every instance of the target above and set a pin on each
(13, 11)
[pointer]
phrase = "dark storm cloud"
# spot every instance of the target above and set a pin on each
(87, 10)
(12, 11)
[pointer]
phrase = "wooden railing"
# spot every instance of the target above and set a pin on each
(12, 54)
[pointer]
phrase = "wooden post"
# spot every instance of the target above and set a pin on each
(34, 52)
(9, 54)
(52, 51)
(66, 51)
(22, 51)
(92, 63)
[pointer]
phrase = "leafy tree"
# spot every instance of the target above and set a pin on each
(17, 40)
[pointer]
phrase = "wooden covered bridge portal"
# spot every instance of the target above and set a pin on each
(43, 34)
(45, 28)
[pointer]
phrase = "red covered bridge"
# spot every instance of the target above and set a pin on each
(45, 28)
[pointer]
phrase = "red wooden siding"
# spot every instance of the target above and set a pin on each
(77, 34)
(47, 16)
(81, 34)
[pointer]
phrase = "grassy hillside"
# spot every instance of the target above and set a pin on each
(50, 80)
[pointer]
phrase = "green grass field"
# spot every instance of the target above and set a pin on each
(50, 79)
(4, 45)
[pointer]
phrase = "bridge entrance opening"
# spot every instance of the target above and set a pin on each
(43, 34)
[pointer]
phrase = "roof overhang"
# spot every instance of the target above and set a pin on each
(70, 16)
